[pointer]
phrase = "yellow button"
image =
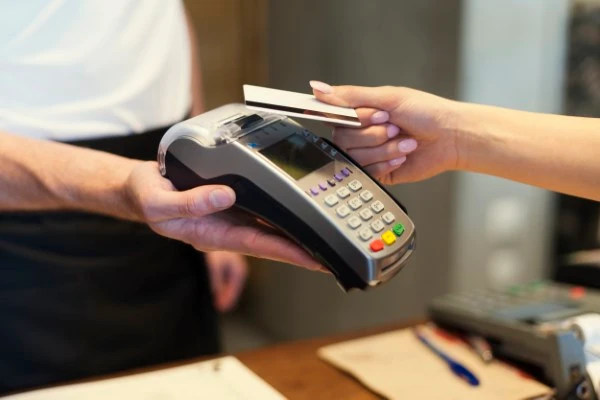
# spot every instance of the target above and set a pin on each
(389, 238)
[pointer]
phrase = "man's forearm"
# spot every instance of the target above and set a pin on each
(555, 152)
(44, 175)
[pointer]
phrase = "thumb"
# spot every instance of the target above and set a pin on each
(382, 98)
(193, 203)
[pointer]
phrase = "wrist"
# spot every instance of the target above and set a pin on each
(470, 134)
(124, 193)
(107, 190)
(133, 190)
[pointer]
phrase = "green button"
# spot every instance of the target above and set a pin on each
(398, 229)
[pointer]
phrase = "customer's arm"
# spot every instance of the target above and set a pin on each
(44, 175)
(419, 135)
(551, 151)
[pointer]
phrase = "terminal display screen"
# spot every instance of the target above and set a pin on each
(296, 156)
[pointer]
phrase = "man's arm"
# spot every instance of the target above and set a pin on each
(45, 175)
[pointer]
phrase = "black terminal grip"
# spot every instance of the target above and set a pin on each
(254, 200)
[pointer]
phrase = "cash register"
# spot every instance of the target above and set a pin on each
(529, 323)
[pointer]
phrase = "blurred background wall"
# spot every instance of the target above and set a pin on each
(513, 54)
(232, 39)
(472, 230)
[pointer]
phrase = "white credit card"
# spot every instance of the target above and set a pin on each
(299, 105)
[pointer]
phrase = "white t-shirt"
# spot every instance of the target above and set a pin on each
(73, 69)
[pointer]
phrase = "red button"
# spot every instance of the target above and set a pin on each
(376, 245)
(577, 292)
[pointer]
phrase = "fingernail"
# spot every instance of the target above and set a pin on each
(408, 145)
(380, 117)
(321, 87)
(397, 161)
(220, 198)
(392, 131)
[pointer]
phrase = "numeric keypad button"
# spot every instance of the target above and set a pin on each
(331, 200)
(388, 217)
(366, 196)
(377, 206)
(343, 192)
(365, 234)
(389, 238)
(366, 214)
(377, 225)
(342, 211)
(355, 185)
(354, 222)
(355, 203)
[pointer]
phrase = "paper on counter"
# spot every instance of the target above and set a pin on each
(587, 328)
(224, 379)
(398, 366)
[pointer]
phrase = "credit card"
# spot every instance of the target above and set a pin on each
(298, 105)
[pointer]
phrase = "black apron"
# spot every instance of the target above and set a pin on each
(84, 294)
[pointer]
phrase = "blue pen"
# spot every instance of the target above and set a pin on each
(457, 368)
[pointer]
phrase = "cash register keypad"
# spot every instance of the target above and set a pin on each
(534, 298)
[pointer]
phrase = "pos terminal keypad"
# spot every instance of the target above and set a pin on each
(363, 213)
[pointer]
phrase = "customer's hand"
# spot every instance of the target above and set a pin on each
(406, 135)
(197, 217)
(227, 273)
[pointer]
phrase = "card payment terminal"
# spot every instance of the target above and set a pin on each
(297, 182)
